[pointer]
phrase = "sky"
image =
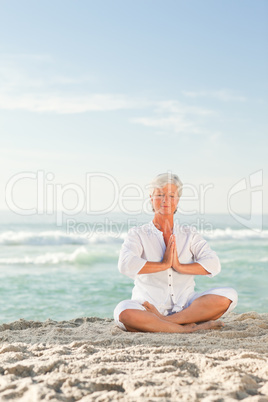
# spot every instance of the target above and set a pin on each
(99, 97)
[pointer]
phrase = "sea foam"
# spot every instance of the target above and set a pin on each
(80, 256)
(57, 237)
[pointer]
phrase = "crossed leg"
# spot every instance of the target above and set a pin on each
(204, 310)
(145, 321)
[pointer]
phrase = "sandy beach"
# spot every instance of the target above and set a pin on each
(90, 359)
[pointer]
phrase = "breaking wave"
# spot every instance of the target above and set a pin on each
(80, 256)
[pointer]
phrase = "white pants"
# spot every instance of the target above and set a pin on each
(230, 293)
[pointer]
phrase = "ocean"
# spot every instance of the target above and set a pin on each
(69, 271)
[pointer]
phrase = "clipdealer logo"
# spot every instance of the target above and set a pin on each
(102, 194)
(253, 184)
(51, 197)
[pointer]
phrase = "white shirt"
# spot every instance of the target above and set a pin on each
(166, 289)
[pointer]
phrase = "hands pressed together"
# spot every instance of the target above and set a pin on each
(170, 258)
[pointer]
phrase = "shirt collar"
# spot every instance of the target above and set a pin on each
(154, 228)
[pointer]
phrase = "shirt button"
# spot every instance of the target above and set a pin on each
(169, 285)
(169, 275)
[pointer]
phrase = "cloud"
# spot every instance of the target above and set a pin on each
(174, 106)
(177, 124)
(60, 103)
(23, 71)
(174, 117)
(225, 95)
(31, 83)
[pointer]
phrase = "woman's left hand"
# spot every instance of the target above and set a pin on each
(176, 263)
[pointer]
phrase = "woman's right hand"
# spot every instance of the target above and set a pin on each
(168, 256)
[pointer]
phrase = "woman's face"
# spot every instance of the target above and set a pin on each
(165, 199)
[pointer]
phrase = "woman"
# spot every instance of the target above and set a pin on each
(163, 258)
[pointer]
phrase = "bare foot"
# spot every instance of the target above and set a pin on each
(152, 309)
(210, 325)
(201, 327)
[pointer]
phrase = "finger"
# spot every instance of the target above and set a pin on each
(170, 246)
(170, 238)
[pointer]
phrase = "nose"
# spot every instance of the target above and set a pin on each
(164, 197)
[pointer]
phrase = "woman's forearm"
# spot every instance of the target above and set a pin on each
(188, 269)
(150, 267)
(192, 269)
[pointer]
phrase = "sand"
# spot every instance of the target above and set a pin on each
(90, 359)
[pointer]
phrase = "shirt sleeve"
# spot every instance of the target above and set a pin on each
(204, 255)
(130, 261)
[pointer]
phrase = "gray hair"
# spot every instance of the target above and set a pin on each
(163, 179)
